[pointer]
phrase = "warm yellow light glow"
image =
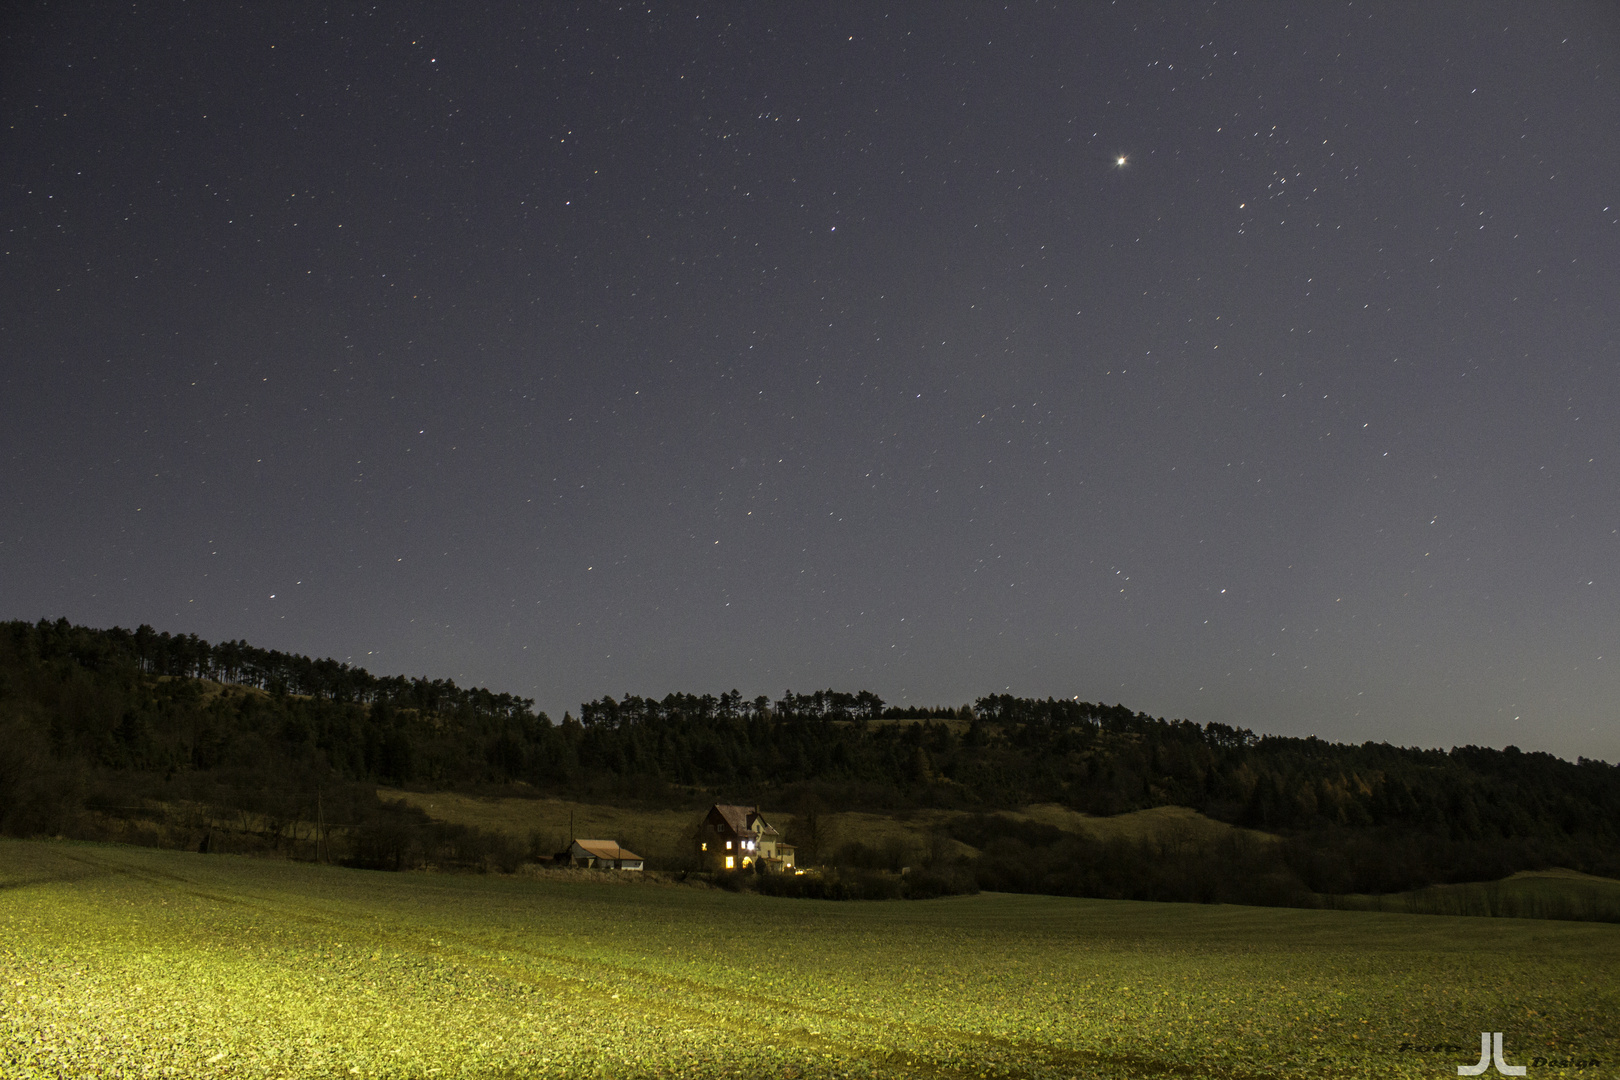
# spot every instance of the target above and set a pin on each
(730, 862)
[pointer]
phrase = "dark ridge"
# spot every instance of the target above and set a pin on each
(95, 720)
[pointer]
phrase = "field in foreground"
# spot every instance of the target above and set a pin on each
(125, 961)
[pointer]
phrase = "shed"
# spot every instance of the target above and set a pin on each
(602, 855)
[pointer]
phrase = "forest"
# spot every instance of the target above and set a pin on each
(99, 722)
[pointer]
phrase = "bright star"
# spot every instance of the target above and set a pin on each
(1119, 162)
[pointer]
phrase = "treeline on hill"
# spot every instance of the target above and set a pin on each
(101, 719)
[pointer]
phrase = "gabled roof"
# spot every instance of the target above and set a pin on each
(736, 817)
(743, 819)
(606, 849)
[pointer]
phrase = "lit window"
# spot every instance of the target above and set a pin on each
(730, 862)
(705, 847)
(728, 845)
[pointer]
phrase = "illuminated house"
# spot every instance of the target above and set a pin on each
(739, 838)
(601, 855)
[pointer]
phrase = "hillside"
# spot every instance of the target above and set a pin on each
(666, 835)
(168, 739)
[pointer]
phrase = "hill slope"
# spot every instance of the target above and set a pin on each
(105, 722)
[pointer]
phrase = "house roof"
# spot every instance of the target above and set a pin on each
(606, 849)
(734, 816)
(744, 819)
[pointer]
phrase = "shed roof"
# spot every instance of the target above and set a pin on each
(606, 849)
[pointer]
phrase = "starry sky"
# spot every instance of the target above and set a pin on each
(1243, 362)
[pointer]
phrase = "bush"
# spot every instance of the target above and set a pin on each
(845, 883)
(937, 881)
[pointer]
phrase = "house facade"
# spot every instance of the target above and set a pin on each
(739, 838)
(601, 855)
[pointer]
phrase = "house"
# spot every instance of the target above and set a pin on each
(601, 855)
(739, 838)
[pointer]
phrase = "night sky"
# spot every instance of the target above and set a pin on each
(1251, 363)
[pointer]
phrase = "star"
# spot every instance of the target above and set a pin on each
(1119, 162)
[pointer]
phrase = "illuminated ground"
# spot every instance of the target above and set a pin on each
(131, 962)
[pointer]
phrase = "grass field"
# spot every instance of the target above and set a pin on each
(1529, 894)
(137, 962)
(653, 834)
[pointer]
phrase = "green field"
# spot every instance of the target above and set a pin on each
(135, 962)
(1529, 894)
